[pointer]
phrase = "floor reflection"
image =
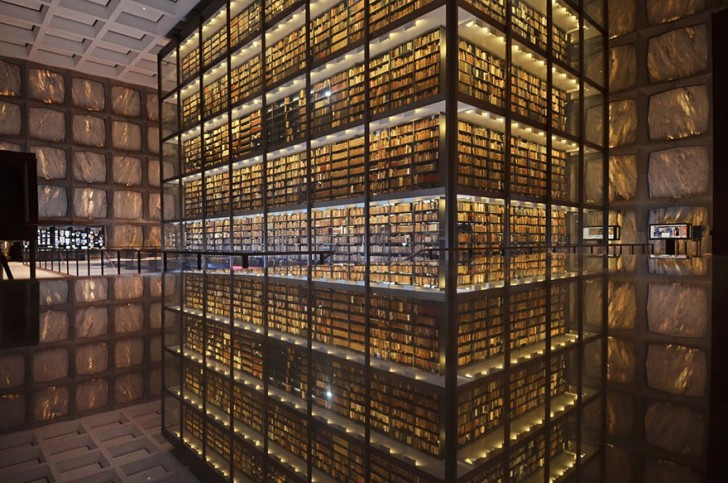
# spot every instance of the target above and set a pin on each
(99, 347)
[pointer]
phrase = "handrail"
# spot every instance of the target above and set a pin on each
(499, 249)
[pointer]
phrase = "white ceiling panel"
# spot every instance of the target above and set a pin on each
(107, 38)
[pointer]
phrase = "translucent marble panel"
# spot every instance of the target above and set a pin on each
(593, 311)
(10, 146)
(53, 326)
(155, 206)
(679, 172)
(127, 170)
(677, 54)
(155, 382)
(129, 387)
(622, 67)
(12, 371)
(622, 122)
(53, 292)
(93, 394)
(170, 206)
(89, 167)
(92, 322)
(620, 414)
(126, 136)
(153, 140)
(127, 236)
(622, 177)
(155, 315)
(621, 360)
(661, 11)
(152, 107)
(51, 162)
(46, 86)
(621, 17)
(10, 119)
(622, 305)
(50, 365)
(155, 285)
(88, 94)
(677, 266)
(50, 403)
(128, 318)
(9, 79)
(92, 358)
(674, 428)
(126, 101)
(47, 124)
(89, 203)
(678, 309)
(12, 410)
(153, 172)
(129, 287)
(52, 201)
(676, 369)
(91, 289)
(155, 348)
(128, 205)
(594, 124)
(128, 353)
(154, 236)
(89, 131)
(618, 464)
(679, 113)
(668, 472)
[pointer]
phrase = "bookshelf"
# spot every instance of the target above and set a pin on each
(294, 125)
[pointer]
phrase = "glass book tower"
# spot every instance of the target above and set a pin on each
(372, 211)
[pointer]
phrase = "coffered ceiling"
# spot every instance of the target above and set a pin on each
(118, 39)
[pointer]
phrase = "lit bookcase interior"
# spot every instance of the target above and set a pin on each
(319, 133)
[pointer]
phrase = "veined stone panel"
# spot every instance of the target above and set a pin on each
(91, 322)
(129, 287)
(50, 365)
(622, 122)
(154, 236)
(153, 139)
(88, 94)
(91, 290)
(89, 203)
(618, 464)
(621, 17)
(128, 205)
(153, 107)
(127, 170)
(678, 266)
(46, 86)
(678, 54)
(47, 124)
(89, 131)
(10, 147)
(661, 11)
(676, 369)
(126, 136)
(12, 371)
(620, 414)
(127, 236)
(622, 67)
(50, 403)
(153, 167)
(51, 162)
(10, 83)
(126, 101)
(53, 326)
(622, 177)
(155, 206)
(11, 120)
(622, 306)
(52, 201)
(679, 172)
(129, 387)
(668, 472)
(89, 167)
(679, 113)
(620, 360)
(128, 318)
(677, 309)
(674, 428)
(128, 353)
(53, 292)
(92, 394)
(92, 358)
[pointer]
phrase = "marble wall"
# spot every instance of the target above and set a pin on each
(99, 349)
(97, 145)
(661, 162)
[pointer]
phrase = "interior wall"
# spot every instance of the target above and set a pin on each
(661, 168)
(97, 145)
